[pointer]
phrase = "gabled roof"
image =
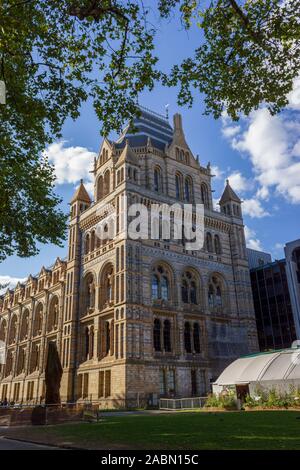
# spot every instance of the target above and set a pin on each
(128, 155)
(81, 194)
(229, 195)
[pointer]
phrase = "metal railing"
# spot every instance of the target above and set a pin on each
(181, 403)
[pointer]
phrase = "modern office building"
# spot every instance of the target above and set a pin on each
(272, 305)
(257, 258)
(292, 256)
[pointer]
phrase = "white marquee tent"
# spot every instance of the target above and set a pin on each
(276, 369)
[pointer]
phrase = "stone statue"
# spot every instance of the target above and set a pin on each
(53, 375)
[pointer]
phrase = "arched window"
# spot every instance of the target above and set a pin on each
(3, 330)
(53, 315)
(106, 183)
(100, 188)
(164, 287)
(38, 320)
(209, 244)
(204, 195)
(87, 244)
(154, 286)
(187, 337)
(89, 293)
(188, 189)
(189, 287)
(106, 292)
(218, 249)
(107, 337)
(184, 292)
(196, 338)
(13, 330)
(86, 343)
(178, 186)
(156, 335)
(93, 240)
(157, 180)
(218, 296)
(210, 295)
(167, 335)
(193, 293)
(160, 283)
(215, 292)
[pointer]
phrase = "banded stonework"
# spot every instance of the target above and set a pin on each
(135, 319)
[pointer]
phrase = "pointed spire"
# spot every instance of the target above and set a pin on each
(128, 155)
(229, 195)
(81, 194)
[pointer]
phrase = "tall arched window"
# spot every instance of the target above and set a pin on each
(178, 186)
(209, 243)
(100, 188)
(167, 335)
(188, 189)
(187, 337)
(218, 249)
(93, 240)
(189, 287)
(196, 338)
(107, 337)
(156, 335)
(106, 292)
(204, 195)
(184, 292)
(89, 293)
(157, 180)
(215, 293)
(53, 314)
(106, 183)
(86, 343)
(87, 244)
(160, 283)
(13, 330)
(154, 286)
(164, 287)
(38, 320)
(3, 331)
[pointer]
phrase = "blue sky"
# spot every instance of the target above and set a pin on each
(260, 155)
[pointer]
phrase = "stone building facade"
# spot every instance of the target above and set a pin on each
(135, 319)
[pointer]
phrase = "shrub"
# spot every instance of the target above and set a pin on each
(225, 401)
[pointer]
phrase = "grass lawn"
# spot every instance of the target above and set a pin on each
(194, 430)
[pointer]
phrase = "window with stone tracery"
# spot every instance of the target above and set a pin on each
(189, 288)
(160, 283)
(215, 293)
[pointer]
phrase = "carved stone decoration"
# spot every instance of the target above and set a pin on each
(53, 374)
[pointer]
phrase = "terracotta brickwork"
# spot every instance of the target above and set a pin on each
(135, 319)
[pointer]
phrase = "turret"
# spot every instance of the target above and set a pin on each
(80, 201)
(230, 203)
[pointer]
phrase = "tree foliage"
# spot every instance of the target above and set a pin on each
(56, 54)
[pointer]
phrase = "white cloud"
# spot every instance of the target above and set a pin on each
(239, 183)
(251, 239)
(11, 281)
(217, 172)
(253, 208)
(71, 163)
(230, 131)
(273, 146)
(263, 193)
